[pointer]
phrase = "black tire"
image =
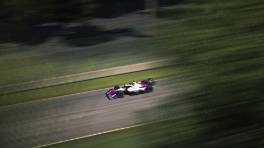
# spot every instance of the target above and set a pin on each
(149, 89)
(126, 92)
(137, 93)
(120, 94)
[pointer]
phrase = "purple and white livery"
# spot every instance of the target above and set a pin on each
(130, 89)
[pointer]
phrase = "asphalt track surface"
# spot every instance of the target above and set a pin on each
(66, 117)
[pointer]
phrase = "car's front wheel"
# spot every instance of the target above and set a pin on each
(120, 94)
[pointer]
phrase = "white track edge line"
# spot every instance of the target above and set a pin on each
(91, 135)
(103, 132)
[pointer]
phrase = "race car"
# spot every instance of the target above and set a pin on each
(130, 89)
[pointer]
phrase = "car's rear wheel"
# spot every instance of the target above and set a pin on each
(149, 89)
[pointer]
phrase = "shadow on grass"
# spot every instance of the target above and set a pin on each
(27, 34)
(82, 35)
(116, 8)
(92, 35)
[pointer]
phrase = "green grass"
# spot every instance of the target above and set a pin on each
(93, 84)
(222, 44)
(147, 136)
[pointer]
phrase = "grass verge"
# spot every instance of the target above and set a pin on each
(59, 90)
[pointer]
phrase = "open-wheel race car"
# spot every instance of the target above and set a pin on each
(133, 88)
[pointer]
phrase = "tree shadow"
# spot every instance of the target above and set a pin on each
(82, 35)
(116, 8)
(27, 34)
(92, 35)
